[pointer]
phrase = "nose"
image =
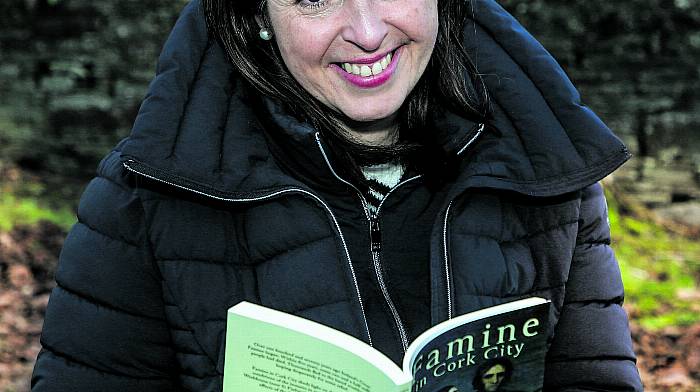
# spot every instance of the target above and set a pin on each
(365, 26)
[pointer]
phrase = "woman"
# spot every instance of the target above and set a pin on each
(340, 160)
(492, 374)
(488, 377)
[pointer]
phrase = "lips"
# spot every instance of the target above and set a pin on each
(369, 60)
(373, 74)
(365, 69)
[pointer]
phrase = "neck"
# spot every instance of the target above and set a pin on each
(383, 132)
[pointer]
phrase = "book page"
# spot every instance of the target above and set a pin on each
(266, 357)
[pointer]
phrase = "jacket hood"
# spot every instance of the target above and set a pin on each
(197, 130)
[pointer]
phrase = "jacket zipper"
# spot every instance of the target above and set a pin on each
(376, 246)
(448, 279)
(129, 166)
(376, 243)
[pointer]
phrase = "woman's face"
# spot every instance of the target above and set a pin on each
(493, 378)
(359, 57)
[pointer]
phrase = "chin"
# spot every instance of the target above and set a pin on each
(370, 115)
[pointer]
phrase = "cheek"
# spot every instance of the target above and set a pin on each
(288, 46)
(301, 47)
(430, 19)
(297, 58)
(419, 20)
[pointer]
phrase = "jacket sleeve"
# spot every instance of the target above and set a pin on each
(104, 328)
(592, 347)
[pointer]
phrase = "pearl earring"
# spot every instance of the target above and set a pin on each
(265, 34)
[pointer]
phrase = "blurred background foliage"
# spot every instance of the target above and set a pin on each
(73, 73)
(636, 63)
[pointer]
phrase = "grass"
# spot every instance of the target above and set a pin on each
(24, 200)
(15, 210)
(660, 269)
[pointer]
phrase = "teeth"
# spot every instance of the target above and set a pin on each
(365, 71)
(368, 69)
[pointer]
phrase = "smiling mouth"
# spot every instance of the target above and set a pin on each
(367, 70)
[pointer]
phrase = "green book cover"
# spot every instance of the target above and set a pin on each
(500, 348)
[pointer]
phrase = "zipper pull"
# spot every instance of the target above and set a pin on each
(375, 235)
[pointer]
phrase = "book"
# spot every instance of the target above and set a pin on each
(500, 348)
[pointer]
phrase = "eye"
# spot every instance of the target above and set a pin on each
(313, 5)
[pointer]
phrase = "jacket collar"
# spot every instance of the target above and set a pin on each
(197, 130)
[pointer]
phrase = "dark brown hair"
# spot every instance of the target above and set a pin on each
(450, 82)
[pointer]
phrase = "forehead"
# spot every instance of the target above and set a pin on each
(496, 369)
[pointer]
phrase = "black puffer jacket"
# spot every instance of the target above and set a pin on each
(195, 212)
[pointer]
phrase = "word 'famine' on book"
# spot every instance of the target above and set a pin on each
(453, 355)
